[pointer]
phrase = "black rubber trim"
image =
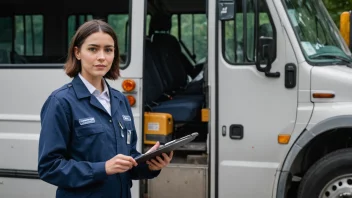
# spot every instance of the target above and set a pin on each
(15, 173)
(32, 66)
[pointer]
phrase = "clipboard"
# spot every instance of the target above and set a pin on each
(166, 148)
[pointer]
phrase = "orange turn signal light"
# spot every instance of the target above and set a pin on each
(128, 85)
(131, 100)
(323, 95)
(283, 138)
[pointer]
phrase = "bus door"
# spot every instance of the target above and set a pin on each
(254, 102)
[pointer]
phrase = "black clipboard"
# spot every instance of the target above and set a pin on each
(166, 148)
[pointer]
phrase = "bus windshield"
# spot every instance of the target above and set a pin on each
(319, 38)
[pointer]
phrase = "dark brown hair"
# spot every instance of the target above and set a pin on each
(73, 65)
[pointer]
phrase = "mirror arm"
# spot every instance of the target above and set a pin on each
(268, 68)
(272, 74)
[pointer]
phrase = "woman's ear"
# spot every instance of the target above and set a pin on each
(77, 53)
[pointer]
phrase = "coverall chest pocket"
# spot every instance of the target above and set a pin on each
(91, 139)
(89, 130)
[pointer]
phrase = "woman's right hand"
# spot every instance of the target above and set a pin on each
(119, 164)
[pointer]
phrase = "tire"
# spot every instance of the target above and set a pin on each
(332, 173)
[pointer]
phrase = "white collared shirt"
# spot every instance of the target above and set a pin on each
(103, 98)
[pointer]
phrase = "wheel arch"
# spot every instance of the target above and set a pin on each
(305, 140)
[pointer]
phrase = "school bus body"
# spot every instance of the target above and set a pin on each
(274, 109)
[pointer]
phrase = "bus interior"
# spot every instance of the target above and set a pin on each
(175, 63)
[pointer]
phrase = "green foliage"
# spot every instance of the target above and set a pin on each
(193, 33)
(336, 7)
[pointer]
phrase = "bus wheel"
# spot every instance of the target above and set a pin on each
(330, 177)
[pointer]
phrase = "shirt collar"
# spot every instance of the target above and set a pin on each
(91, 88)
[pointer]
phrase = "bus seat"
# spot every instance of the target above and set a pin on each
(161, 24)
(171, 58)
(183, 109)
(193, 91)
(165, 74)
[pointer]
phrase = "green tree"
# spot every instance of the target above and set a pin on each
(336, 7)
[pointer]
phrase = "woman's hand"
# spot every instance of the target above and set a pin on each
(155, 165)
(119, 164)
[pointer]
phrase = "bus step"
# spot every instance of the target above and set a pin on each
(193, 146)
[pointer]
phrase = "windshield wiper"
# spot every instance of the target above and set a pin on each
(347, 61)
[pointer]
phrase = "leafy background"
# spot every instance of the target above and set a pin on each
(336, 7)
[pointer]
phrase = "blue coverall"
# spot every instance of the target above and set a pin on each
(78, 136)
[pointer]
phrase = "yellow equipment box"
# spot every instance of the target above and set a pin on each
(157, 127)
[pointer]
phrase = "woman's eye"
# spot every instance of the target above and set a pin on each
(108, 50)
(92, 49)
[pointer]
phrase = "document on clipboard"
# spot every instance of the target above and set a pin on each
(167, 148)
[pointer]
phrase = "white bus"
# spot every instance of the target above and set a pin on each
(266, 84)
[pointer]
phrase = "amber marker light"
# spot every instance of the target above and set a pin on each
(323, 95)
(128, 85)
(131, 100)
(283, 138)
(345, 27)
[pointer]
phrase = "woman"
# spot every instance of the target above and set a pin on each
(88, 140)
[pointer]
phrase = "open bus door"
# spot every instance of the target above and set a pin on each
(253, 104)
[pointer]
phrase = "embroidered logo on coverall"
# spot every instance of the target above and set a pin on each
(126, 117)
(84, 121)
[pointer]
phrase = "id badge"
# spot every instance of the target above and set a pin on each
(129, 136)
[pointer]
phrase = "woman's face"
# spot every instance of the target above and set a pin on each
(96, 55)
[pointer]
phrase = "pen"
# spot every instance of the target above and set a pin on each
(121, 129)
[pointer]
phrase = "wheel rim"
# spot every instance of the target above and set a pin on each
(339, 187)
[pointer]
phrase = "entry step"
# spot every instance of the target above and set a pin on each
(193, 146)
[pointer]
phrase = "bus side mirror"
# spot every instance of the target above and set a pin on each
(265, 54)
(266, 45)
(227, 10)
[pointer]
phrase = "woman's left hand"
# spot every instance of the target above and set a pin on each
(159, 163)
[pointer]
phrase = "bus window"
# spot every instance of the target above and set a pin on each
(191, 31)
(5, 39)
(148, 18)
(29, 35)
(74, 21)
(120, 23)
(238, 34)
(27, 41)
(40, 37)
